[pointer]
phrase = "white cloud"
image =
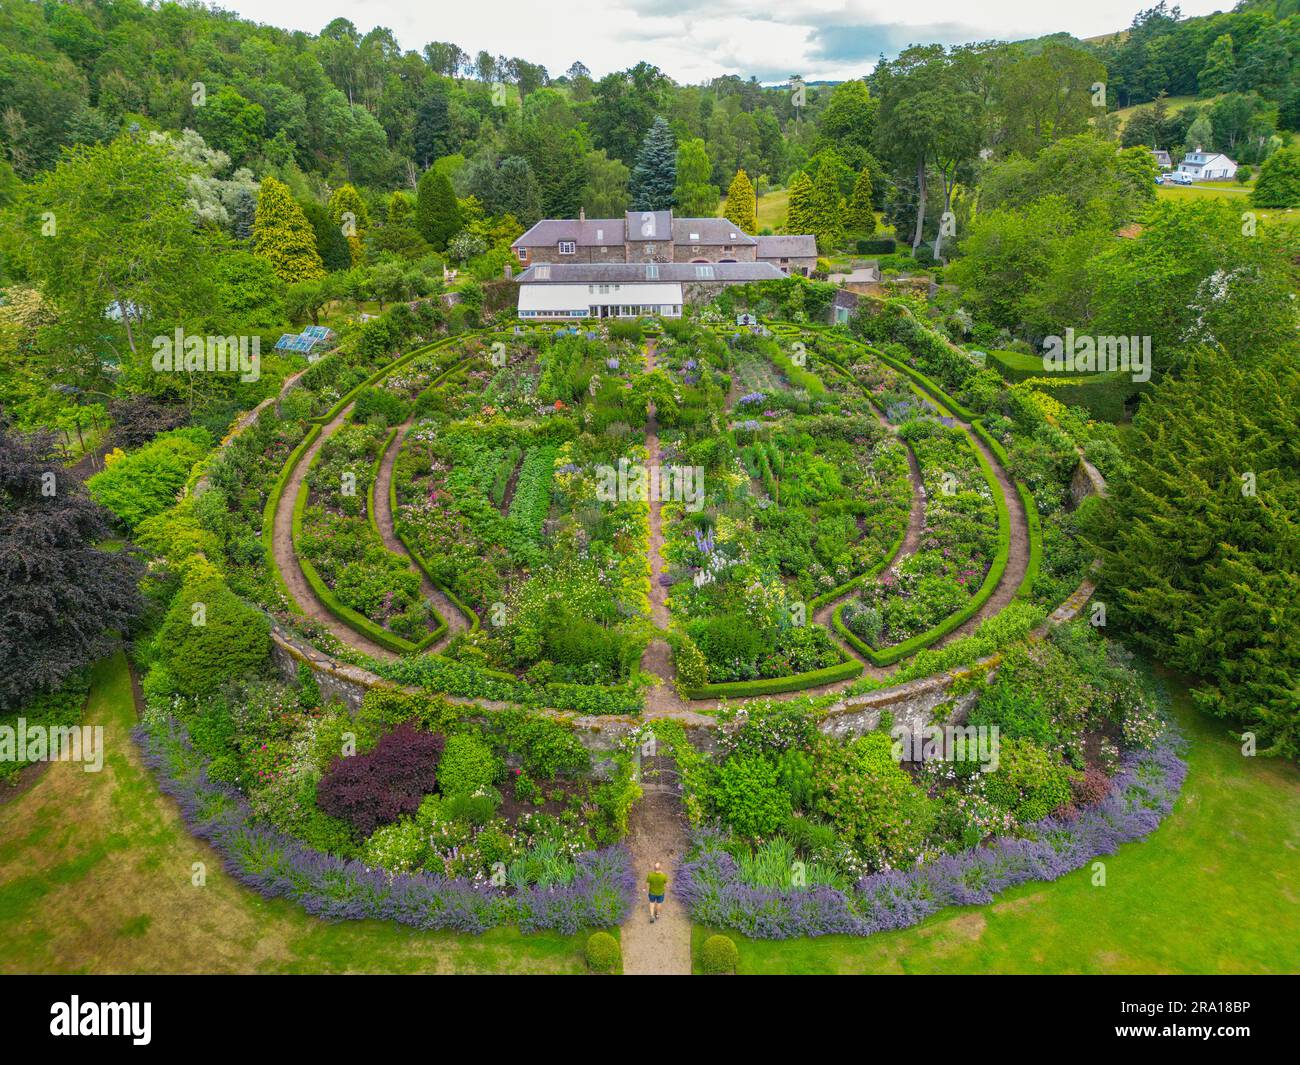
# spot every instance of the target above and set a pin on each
(693, 40)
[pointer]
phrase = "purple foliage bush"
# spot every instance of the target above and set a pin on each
(376, 788)
(1141, 795)
(276, 865)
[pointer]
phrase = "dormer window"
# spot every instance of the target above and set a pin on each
(568, 247)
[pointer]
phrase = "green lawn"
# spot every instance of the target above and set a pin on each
(1174, 103)
(1214, 890)
(1223, 190)
(95, 877)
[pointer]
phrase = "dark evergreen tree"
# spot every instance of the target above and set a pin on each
(431, 136)
(437, 214)
(654, 178)
(1198, 539)
(330, 241)
(516, 191)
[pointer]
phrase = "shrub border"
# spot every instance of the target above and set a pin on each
(441, 628)
(334, 888)
(1141, 796)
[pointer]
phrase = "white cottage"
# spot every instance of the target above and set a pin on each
(1207, 166)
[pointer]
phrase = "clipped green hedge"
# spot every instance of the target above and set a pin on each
(422, 565)
(890, 655)
(849, 585)
(1026, 589)
(347, 615)
(386, 370)
(440, 629)
(741, 689)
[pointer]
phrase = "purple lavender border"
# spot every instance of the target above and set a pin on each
(1141, 796)
(276, 865)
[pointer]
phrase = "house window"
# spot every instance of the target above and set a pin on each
(568, 247)
(523, 255)
(652, 271)
(704, 273)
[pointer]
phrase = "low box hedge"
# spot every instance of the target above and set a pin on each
(890, 655)
(345, 614)
(740, 689)
(440, 629)
(423, 566)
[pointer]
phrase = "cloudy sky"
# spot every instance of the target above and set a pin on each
(693, 40)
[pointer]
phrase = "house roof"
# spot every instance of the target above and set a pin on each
(801, 246)
(710, 231)
(589, 232)
(1204, 158)
(574, 297)
(631, 273)
(649, 225)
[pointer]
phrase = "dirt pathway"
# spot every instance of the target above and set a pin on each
(657, 660)
(657, 833)
(1017, 559)
(286, 558)
(456, 621)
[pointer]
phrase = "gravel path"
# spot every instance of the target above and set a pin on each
(286, 558)
(657, 833)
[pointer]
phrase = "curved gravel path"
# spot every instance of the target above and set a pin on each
(286, 557)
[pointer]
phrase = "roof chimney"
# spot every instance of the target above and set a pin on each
(582, 214)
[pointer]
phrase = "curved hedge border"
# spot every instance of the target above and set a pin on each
(349, 617)
(276, 865)
(440, 629)
(846, 670)
(345, 614)
(1033, 527)
(889, 655)
(384, 371)
(1141, 796)
(470, 616)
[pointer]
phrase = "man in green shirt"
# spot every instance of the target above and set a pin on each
(658, 881)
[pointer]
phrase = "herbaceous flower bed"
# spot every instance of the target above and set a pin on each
(462, 828)
(342, 550)
(957, 545)
(800, 833)
(500, 492)
(803, 490)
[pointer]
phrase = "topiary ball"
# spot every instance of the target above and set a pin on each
(604, 955)
(719, 956)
